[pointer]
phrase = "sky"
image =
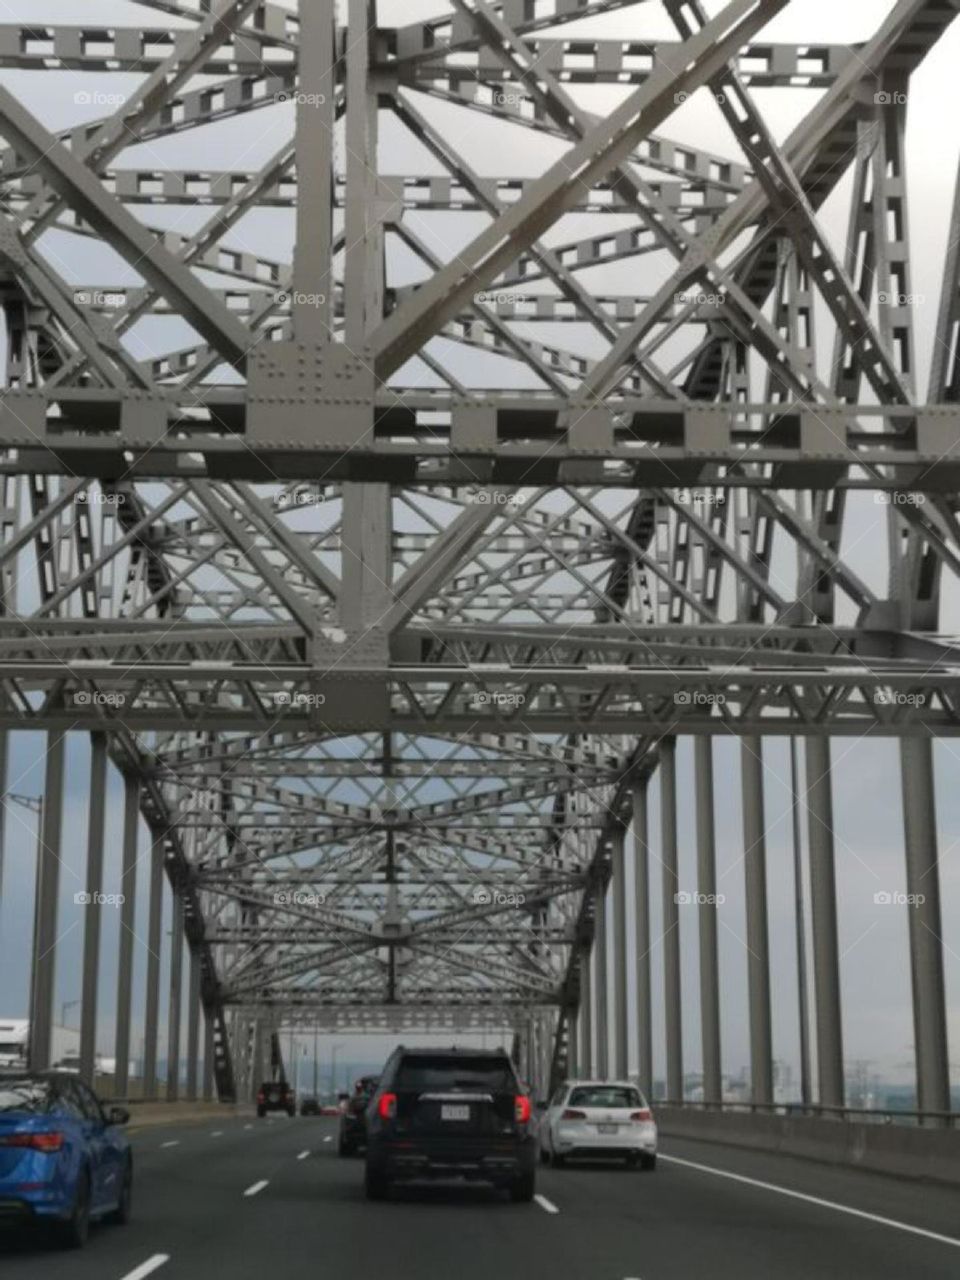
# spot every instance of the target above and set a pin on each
(867, 790)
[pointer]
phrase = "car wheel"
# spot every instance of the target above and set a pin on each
(123, 1210)
(74, 1232)
(290, 1112)
(344, 1148)
(648, 1162)
(375, 1184)
(544, 1155)
(522, 1188)
(557, 1161)
(261, 1112)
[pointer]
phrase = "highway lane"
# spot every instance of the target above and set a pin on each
(249, 1203)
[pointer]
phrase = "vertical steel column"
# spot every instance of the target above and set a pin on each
(707, 911)
(151, 1017)
(44, 958)
(573, 1045)
(620, 1027)
(208, 1057)
(128, 887)
(91, 923)
(671, 918)
(641, 876)
(923, 913)
(176, 993)
(586, 1014)
(600, 949)
(193, 1023)
(823, 913)
(316, 111)
(758, 948)
(4, 758)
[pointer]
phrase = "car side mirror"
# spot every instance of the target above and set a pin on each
(118, 1115)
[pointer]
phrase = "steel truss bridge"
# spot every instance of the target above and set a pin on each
(388, 555)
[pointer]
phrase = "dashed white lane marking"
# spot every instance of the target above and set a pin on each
(547, 1205)
(303, 1155)
(147, 1268)
(328, 1138)
(248, 1126)
(174, 1142)
(217, 1133)
(256, 1188)
(823, 1204)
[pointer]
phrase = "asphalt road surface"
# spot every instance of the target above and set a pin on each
(271, 1200)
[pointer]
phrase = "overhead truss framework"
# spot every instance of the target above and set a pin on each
(388, 563)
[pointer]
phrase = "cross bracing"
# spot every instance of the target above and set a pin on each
(391, 566)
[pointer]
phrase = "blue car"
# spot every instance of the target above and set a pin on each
(63, 1162)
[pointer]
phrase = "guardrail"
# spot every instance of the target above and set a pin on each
(864, 1115)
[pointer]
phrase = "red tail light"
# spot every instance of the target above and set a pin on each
(571, 1114)
(261, 1096)
(646, 1114)
(387, 1106)
(521, 1109)
(48, 1142)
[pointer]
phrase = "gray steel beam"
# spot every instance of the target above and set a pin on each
(641, 878)
(176, 996)
(925, 927)
(672, 993)
(823, 914)
(44, 959)
(621, 1044)
(707, 911)
(92, 917)
(209, 1055)
(316, 96)
(193, 1024)
(601, 952)
(587, 1058)
(151, 1017)
(128, 887)
(757, 943)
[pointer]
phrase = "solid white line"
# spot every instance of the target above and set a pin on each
(174, 1143)
(328, 1138)
(823, 1204)
(546, 1204)
(257, 1186)
(303, 1155)
(147, 1268)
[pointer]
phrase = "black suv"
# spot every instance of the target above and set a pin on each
(450, 1113)
(275, 1095)
(353, 1120)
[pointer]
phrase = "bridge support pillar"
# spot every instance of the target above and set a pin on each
(823, 912)
(641, 880)
(620, 1030)
(923, 913)
(208, 1057)
(92, 917)
(671, 919)
(600, 950)
(586, 1014)
(44, 960)
(176, 995)
(151, 1017)
(707, 912)
(573, 1046)
(128, 887)
(193, 1024)
(758, 948)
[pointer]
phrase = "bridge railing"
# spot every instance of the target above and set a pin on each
(863, 1115)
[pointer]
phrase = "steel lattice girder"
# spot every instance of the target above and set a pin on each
(381, 647)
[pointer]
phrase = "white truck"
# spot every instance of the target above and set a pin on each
(15, 1038)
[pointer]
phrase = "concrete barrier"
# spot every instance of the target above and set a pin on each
(904, 1150)
(145, 1115)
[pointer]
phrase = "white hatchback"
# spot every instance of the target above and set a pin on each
(603, 1119)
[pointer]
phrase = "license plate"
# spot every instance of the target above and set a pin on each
(450, 1112)
(606, 1128)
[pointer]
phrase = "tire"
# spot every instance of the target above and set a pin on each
(522, 1188)
(121, 1214)
(648, 1163)
(544, 1155)
(557, 1161)
(345, 1148)
(291, 1112)
(375, 1184)
(74, 1232)
(261, 1112)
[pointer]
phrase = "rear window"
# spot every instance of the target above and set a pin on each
(24, 1094)
(424, 1075)
(605, 1096)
